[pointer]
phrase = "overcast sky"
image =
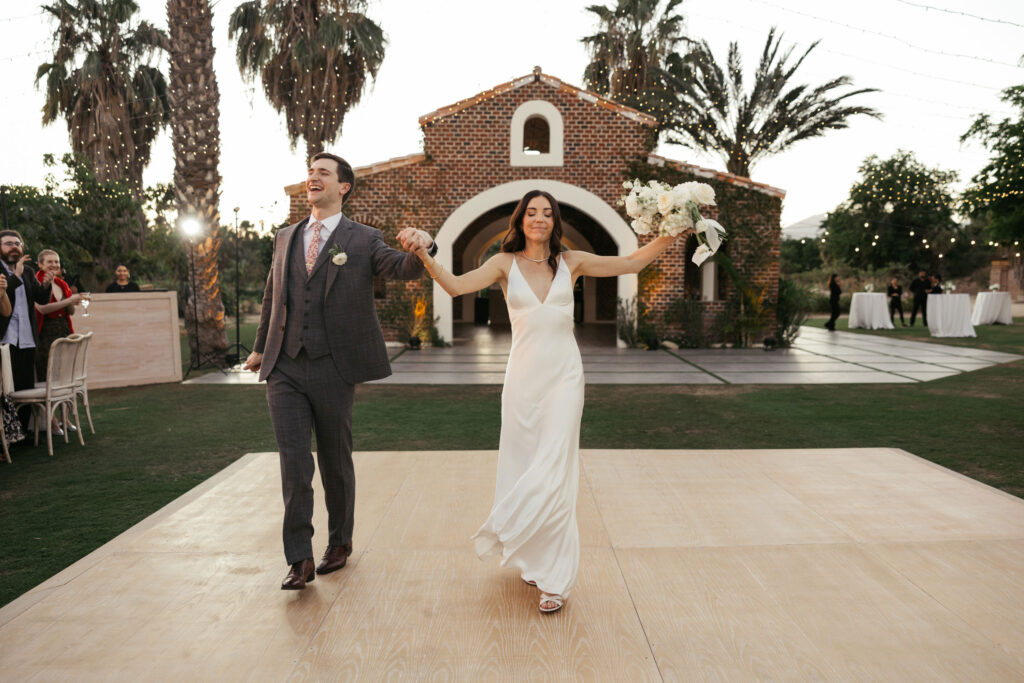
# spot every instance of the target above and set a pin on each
(936, 69)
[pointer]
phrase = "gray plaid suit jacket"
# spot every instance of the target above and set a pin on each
(353, 330)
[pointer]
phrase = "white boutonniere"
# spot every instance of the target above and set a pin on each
(338, 257)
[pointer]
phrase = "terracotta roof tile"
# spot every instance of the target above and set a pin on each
(738, 181)
(556, 83)
(364, 171)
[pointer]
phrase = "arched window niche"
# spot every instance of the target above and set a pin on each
(536, 135)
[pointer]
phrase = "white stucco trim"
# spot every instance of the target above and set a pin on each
(549, 113)
(708, 278)
(585, 201)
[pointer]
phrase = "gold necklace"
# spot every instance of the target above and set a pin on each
(535, 260)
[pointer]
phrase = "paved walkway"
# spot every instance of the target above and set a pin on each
(817, 357)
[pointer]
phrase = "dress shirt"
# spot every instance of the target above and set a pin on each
(19, 330)
(329, 223)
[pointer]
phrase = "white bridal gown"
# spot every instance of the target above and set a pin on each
(533, 521)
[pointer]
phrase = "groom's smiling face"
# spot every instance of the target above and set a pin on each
(322, 185)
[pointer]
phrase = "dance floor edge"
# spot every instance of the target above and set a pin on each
(832, 564)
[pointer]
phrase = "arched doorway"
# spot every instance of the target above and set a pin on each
(590, 224)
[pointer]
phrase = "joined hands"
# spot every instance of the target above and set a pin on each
(413, 239)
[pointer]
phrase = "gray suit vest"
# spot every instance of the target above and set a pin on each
(304, 327)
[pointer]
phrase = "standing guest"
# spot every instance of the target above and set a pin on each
(123, 281)
(919, 288)
(936, 285)
(895, 292)
(18, 329)
(12, 428)
(833, 301)
(53, 319)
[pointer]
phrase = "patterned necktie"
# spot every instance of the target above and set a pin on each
(314, 246)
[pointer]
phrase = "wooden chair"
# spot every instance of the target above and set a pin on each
(81, 377)
(57, 392)
(6, 387)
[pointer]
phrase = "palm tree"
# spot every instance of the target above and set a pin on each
(314, 58)
(715, 112)
(195, 132)
(101, 81)
(630, 51)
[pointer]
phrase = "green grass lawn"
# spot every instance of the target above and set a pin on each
(154, 443)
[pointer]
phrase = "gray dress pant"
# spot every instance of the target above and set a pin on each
(306, 395)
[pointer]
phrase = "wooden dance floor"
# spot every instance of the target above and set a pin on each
(838, 565)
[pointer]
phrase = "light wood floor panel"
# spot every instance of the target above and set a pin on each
(870, 622)
(830, 564)
(709, 619)
(427, 615)
(982, 582)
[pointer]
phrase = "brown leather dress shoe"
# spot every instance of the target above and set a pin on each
(335, 557)
(301, 573)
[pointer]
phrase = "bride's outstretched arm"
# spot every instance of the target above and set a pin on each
(608, 266)
(494, 270)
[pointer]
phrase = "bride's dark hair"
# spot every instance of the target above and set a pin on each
(515, 239)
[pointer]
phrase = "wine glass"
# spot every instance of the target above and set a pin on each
(85, 304)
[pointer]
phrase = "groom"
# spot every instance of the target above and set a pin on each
(318, 337)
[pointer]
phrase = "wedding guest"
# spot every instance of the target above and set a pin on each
(936, 285)
(53, 319)
(895, 292)
(10, 424)
(919, 288)
(122, 281)
(18, 330)
(833, 301)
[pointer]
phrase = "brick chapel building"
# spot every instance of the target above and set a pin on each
(482, 154)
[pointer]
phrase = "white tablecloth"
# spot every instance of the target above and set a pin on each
(949, 315)
(870, 311)
(992, 307)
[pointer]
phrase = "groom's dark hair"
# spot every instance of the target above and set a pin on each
(515, 239)
(345, 173)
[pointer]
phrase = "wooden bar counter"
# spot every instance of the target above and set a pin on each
(136, 338)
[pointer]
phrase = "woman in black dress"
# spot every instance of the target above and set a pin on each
(895, 292)
(833, 301)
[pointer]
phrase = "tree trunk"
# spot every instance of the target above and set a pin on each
(195, 132)
(313, 147)
(738, 163)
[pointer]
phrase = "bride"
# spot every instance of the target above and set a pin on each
(533, 521)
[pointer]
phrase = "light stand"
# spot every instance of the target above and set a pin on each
(196, 361)
(235, 351)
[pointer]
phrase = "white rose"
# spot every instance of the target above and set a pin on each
(666, 201)
(682, 194)
(648, 196)
(673, 224)
(703, 194)
(339, 259)
(701, 254)
(642, 226)
(632, 206)
(627, 185)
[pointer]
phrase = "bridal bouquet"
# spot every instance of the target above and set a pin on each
(671, 210)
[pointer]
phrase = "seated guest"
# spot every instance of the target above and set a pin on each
(53, 319)
(123, 282)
